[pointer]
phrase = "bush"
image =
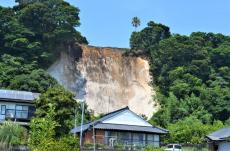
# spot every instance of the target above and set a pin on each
(66, 143)
(12, 134)
(152, 148)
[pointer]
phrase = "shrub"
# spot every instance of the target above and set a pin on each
(152, 148)
(12, 134)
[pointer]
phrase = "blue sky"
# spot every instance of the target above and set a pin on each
(108, 22)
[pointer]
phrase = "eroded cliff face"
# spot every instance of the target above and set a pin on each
(111, 80)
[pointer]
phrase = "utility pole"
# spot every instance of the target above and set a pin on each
(82, 119)
(75, 120)
(94, 139)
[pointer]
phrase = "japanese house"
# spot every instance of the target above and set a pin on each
(219, 140)
(122, 127)
(17, 106)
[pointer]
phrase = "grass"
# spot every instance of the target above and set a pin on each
(195, 149)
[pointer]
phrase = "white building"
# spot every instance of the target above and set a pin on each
(219, 140)
(17, 106)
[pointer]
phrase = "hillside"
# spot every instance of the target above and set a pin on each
(111, 79)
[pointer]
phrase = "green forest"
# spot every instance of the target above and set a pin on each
(191, 74)
(192, 79)
(32, 34)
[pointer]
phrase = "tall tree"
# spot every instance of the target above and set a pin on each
(136, 22)
(149, 37)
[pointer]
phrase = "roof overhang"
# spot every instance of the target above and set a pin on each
(118, 127)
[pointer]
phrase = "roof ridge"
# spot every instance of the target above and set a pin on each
(104, 116)
(124, 108)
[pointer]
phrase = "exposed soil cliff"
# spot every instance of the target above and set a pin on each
(110, 79)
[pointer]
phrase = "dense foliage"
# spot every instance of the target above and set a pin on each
(12, 134)
(64, 108)
(17, 75)
(191, 73)
(42, 134)
(32, 34)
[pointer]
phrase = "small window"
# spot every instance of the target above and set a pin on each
(18, 107)
(25, 108)
(177, 147)
(21, 111)
(156, 138)
(3, 109)
(170, 146)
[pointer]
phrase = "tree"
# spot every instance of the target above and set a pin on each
(43, 132)
(136, 22)
(54, 21)
(64, 104)
(191, 131)
(38, 30)
(149, 37)
(16, 74)
(221, 55)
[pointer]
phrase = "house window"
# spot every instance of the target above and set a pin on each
(21, 111)
(10, 113)
(153, 140)
(138, 139)
(3, 109)
(124, 137)
(156, 140)
(150, 139)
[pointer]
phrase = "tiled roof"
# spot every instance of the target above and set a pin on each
(220, 135)
(18, 96)
(133, 128)
(99, 125)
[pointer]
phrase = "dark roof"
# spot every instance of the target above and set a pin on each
(17, 96)
(99, 125)
(134, 128)
(106, 116)
(220, 135)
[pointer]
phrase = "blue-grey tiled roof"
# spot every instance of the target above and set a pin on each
(17, 96)
(220, 135)
(106, 116)
(99, 125)
(134, 128)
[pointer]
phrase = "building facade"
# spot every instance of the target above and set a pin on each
(17, 106)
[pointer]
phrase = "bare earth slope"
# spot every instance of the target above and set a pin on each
(111, 80)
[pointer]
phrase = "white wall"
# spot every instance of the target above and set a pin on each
(225, 146)
(127, 118)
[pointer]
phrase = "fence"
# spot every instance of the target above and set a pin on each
(117, 143)
(199, 147)
(13, 148)
(125, 147)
